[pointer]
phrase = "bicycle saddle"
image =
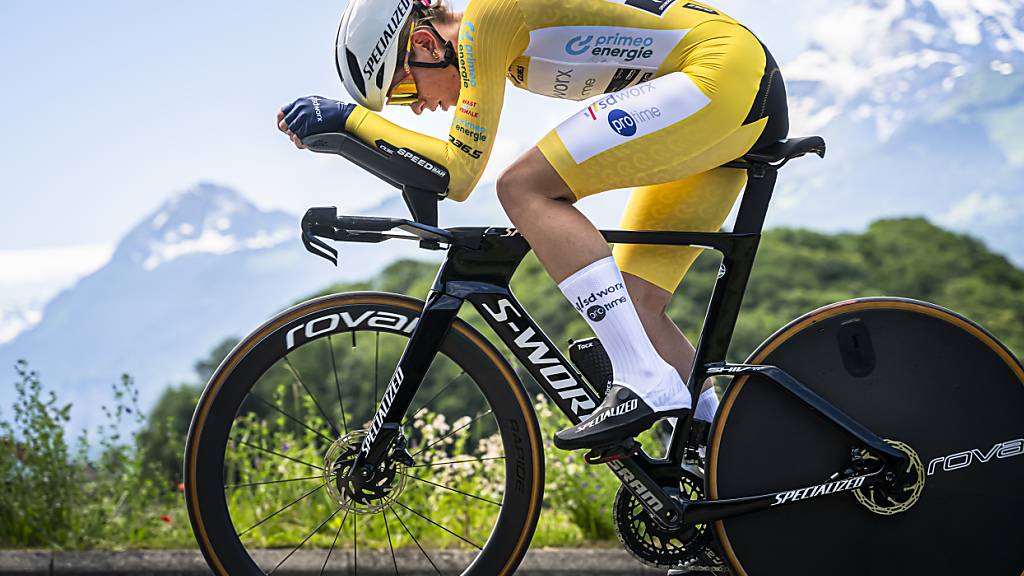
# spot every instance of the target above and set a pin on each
(788, 150)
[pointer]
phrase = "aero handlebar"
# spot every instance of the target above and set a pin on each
(423, 182)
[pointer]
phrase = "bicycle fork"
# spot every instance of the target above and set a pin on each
(385, 427)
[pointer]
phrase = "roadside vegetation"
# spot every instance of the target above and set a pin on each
(115, 489)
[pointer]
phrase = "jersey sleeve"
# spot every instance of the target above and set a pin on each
(487, 45)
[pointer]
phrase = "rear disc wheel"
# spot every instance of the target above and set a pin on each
(934, 385)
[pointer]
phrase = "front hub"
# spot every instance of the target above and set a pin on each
(363, 489)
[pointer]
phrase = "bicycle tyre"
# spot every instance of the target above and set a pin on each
(204, 465)
(923, 375)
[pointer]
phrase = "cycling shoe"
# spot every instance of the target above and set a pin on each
(622, 415)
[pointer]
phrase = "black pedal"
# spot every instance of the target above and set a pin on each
(615, 452)
(590, 357)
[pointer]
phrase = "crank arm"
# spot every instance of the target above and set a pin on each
(662, 507)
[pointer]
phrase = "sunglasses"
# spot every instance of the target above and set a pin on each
(404, 93)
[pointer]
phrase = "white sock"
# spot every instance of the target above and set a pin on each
(599, 293)
(707, 405)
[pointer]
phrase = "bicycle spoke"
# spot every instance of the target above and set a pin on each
(295, 373)
(417, 542)
(498, 504)
(278, 454)
(290, 417)
(304, 540)
(376, 372)
(355, 545)
(453, 432)
(454, 462)
(286, 506)
(387, 530)
(333, 544)
(438, 525)
(337, 382)
(265, 482)
(431, 401)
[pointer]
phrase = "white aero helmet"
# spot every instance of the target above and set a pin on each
(368, 47)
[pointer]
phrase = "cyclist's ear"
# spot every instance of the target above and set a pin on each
(426, 44)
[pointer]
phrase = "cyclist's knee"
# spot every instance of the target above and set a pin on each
(529, 180)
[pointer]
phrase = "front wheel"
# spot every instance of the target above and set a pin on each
(288, 408)
(933, 384)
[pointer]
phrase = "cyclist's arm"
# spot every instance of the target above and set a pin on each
(487, 39)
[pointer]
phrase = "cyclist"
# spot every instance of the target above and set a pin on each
(683, 89)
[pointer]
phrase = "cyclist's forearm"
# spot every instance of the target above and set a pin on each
(370, 127)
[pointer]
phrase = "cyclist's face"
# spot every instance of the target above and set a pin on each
(436, 87)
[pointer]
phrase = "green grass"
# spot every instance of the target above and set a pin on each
(60, 495)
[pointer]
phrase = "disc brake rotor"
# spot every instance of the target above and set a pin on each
(367, 494)
(890, 502)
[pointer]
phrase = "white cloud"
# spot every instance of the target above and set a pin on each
(981, 209)
(57, 266)
(209, 242)
(30, 277)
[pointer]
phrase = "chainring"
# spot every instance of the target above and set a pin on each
(653, 544)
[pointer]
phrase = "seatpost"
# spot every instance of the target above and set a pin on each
(727, 297)
(761, 179)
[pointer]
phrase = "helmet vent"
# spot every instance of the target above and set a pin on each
(380, 79)
(353, 70)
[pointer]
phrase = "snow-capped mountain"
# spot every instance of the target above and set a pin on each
(891, 60)
(208, 219)
(922, 102)
(13, 321)
(205, 266)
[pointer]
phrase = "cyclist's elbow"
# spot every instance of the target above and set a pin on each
(458, 195)
(461, 186)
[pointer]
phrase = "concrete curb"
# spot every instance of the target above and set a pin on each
(542, 562)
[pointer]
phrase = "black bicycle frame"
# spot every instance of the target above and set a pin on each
(479, 267)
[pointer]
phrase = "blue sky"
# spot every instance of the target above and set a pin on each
(114, 105)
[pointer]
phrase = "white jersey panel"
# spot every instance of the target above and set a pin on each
(581, 81)
(640, 48)
(629, 114)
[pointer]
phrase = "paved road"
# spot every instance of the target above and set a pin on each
(309, 563)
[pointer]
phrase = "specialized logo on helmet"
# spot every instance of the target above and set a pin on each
(380, 48)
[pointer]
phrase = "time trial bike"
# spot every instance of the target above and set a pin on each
(875, 436)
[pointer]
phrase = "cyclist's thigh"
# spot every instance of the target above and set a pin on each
(699, 203)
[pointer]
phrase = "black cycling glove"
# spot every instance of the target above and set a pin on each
(316, 115)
